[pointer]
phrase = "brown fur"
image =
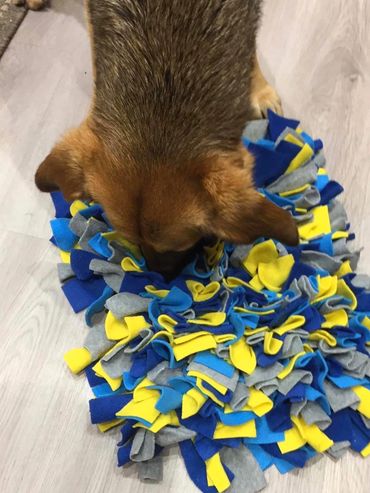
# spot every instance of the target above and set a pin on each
(160, 149)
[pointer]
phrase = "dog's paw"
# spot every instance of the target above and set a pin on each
(265, 98)
(31, 4)
(36, 4)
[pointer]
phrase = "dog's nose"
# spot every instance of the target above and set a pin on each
(169, 264)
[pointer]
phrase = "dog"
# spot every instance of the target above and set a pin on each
(175, 83)
(31, 4)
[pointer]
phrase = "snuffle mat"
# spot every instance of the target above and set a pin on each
(255, 356)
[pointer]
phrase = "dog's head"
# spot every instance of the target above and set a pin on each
(167, 208)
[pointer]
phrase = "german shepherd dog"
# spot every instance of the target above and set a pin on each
(160, 150)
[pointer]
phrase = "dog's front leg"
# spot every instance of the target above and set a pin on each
(263, 96)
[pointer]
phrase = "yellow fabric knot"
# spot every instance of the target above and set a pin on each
(77, 206)
(161, 293)
(271, 345)
(192, 401)
(124, 329)
(318, 226)
(336, 317)
(245, 430)
(216, 474)
(262, 252)
(77, 359)
(212, 319)
(304, 155)
(242, 356)
(186, 345)
(214, 253)
(327, 287)
(129, 265)
(274, 274)
(202, 293)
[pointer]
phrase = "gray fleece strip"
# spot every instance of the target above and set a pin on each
(146, 335)
(294, 377)
(162, 374)
(292, 345)
(143, 446)
(354, 362)
(256, 130)
(309, 198)
(297, 407)
(102, 267)
(268, 387)
(296, 179)
(353, 258)
(157, 370)
(254, 339)
(313, 414)
(93, 227)
(302, 218)
(224, 296)
(361, 281)
(239, 254)
(118, 252)
(65, 272)
(261, 375)
(340, 246)
(328, 350)
(78, 224)
(112, 274)
(320, 260)
(188, 314)
(339, 398)
(333, 304)
(218, 273)
(222, 351)
(230, 383)
(282, 251)
(96, 341)
(319, 159)
(240, 396)
(170, 435)
(151, 470)
(114, 281)
(117, 364)
(338, 216)
(303, 286)
(249, 477)
(337, 450)
(126, 304)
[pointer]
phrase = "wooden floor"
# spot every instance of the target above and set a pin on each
(317, 53)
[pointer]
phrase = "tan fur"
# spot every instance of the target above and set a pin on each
(263, 96)
(31, 4)
(160, 149)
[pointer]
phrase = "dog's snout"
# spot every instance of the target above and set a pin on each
(169, 264)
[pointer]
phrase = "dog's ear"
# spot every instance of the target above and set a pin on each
(259, 217)
(240, 213)
(64, 168)
(59, 172)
